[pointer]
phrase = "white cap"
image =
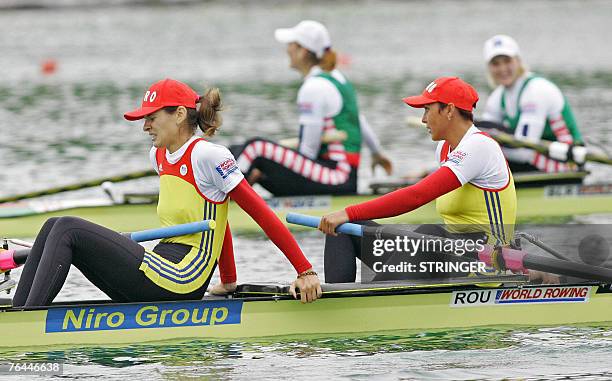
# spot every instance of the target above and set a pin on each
(500, 45)
(311, 35)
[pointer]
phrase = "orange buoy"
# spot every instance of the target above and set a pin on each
(48, 66)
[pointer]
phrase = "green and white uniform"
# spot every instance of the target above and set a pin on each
(534, 109)
(327, 101)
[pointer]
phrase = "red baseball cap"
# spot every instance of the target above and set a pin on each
(167, 92)
(446, 90)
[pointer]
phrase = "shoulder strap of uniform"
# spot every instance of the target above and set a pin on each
(190, 148)
(444, 152)
(329, 77)
(527, 80)
(518, 99)
(160, 155)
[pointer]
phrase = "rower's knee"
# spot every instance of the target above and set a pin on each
(69, 221)
(51, 221)
(48, 225)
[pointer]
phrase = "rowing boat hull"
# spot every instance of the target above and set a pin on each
(421, 310)
(533, 205)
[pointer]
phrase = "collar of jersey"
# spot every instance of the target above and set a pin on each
(175, 156)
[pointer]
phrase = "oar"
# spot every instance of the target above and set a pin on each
(313, 222)
(542, 147)
(11, 259)
(509, 140)
(515, 260)
(77, 186)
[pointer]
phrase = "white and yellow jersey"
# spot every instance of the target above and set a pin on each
(194, 184)
(487, 197)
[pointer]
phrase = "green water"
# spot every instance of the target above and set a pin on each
(496, 353)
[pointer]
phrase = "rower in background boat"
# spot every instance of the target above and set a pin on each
(530, 107)
(196, 180)
(327, 105)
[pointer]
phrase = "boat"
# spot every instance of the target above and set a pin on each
(269, 311)
(549, 204)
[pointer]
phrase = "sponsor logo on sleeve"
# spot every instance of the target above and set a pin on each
(457, 156)
(527, 295)
(529, 108)
(136, 316)
(305, 108)
(226, 167)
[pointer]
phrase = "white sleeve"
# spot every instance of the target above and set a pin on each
(368, 135)
(215, 170)
(317, 99)
(479, 161)
(310, 138)
(153, 159)
(493, 111)
(540, 99)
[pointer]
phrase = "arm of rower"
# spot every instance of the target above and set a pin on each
(311, 132)
(371, 140)
(278, 233)
(317, 99)
(227, 264)
(404, 200)
(227, 267)
(368, 135)
(539, 104)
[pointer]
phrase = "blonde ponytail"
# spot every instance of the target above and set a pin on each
(328, 61)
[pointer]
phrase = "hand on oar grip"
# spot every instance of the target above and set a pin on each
(331, 221)
(314, 222)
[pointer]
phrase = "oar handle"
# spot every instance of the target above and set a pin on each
(172, 231)
(313, 222)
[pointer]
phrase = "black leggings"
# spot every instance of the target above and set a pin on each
(342, 250)
(108, 259)
(339, 257)
(281, 179)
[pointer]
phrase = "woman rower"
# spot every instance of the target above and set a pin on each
(472, 187)
(196, 180)
(529, 106)
(327, 104)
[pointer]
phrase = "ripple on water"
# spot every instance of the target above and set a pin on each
(555, 353)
